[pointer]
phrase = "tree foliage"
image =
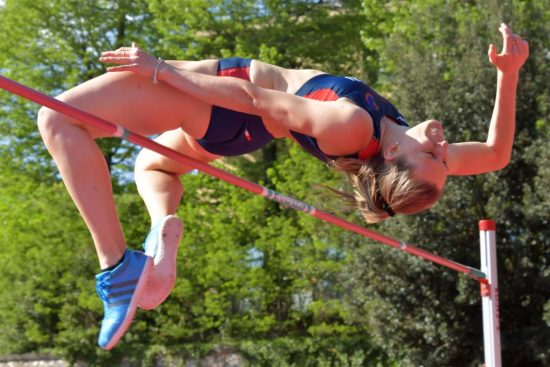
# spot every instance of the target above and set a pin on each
(283, 288)
(436, 315)
(52, 46)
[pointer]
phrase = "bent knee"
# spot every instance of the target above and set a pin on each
(145, 160)
(148, 160)
(51, 123)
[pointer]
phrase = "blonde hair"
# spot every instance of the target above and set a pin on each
(382, 189)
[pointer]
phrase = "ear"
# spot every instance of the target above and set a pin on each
(390, 153)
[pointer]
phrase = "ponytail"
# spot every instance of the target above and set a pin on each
(382, 189)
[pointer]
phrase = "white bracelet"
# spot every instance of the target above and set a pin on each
(159, 64)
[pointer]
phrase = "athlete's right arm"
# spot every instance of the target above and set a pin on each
(340, 127)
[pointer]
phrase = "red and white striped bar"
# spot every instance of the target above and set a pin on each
(121, 132)
(489, 294)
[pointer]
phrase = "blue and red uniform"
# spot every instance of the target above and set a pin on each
(233, 133)
(230, 132)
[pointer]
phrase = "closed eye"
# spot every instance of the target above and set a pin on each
(433, 156)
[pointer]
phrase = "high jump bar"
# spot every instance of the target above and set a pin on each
(123, 133)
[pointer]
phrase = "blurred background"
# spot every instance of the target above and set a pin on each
(276, 286)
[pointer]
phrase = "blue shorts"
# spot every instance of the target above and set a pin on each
(232, 133)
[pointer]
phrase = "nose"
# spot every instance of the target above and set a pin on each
(434, 131)
(441, 150)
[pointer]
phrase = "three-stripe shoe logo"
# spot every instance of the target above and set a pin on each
(117, 293)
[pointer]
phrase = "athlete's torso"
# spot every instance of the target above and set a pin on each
(325, 87)
(277, 78)
(235, 133)
(320, 86)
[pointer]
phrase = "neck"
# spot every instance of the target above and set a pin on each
(390, 132)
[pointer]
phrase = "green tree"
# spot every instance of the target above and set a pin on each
(251, 274)
(52, 46)
(47, 297)
(282, 287)
(435, 56)
(289, 33)
(255, 270)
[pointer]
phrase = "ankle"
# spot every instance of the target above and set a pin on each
(111, 262)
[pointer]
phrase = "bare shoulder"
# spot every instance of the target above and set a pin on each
(278, 78)
(349, 132)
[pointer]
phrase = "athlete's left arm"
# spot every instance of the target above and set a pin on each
(470, 158)
(340, 126)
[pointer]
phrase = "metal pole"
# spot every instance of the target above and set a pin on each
(489, 294)
(121, 132)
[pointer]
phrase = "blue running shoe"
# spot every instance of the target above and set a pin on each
(120, 289)
(162, 245)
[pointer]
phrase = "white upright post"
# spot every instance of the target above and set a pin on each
(489, 294)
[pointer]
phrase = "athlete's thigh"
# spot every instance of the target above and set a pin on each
(179, 141)
(137, 104)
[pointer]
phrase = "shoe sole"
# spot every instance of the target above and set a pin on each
(164, 274)
(148, 268)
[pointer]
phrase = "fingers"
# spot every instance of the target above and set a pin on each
(117, 59)
(503, 28)
(128, 67)
(119, 53)
(515, 45)
(512, 43)
(129, 59)
(134, 46)
(125, 50)
(514, 52)
(519, 45)
(525, 46)
(492, 53)
(123, 55)
(506, 32)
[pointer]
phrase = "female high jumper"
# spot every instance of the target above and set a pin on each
(394, 168)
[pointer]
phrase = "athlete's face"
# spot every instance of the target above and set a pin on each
(425, 148)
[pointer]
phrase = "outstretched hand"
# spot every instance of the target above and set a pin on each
(130, 59)
(515, 51)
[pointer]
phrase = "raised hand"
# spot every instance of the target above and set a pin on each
(515, 51)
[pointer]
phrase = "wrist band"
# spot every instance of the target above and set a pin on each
(154, 79)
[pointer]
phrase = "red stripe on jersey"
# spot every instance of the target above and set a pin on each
(325, 94)
(241, 73)
(370, 150)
